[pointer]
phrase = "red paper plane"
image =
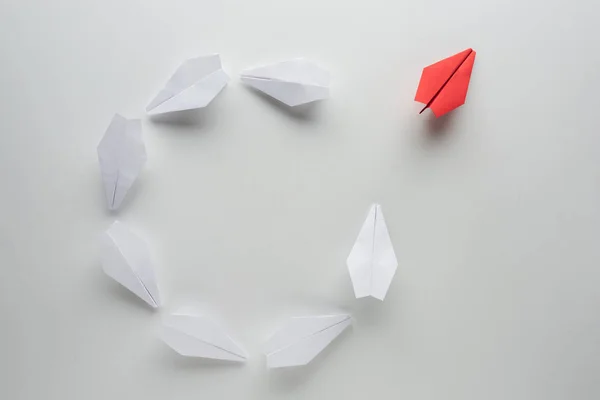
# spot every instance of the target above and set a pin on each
(443, 86)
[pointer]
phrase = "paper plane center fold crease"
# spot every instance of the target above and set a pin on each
(311, 335)
(126, 259)
(121, 154)
(194, 85)
(183, 91)
(372, 261)
(118, 248)
(443, 85)
(293, 82)
(114, 195)
(447, 80)
(194, 335)
(242, 356)
(373, 247)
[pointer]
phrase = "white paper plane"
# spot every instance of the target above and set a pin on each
(301, 339)
(126, 259)
(292, 82)
(122, 155)
(194, 85)
(372, 262)
(194, 335)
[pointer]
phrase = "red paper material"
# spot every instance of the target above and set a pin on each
(443, 86)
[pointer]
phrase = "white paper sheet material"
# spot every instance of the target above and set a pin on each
(193, 335)
(292, 82)
(372, 262)
(122, 155)
(194, 85)
(126, 259)
(301, 339)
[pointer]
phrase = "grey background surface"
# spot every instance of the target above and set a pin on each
(251, 209)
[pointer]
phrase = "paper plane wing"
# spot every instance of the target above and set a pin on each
(197, 336)
(126, 259)
(292, 82)
(301, 339)
(372, 262)
(194, 85)
(443, 85)
(122, 155)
